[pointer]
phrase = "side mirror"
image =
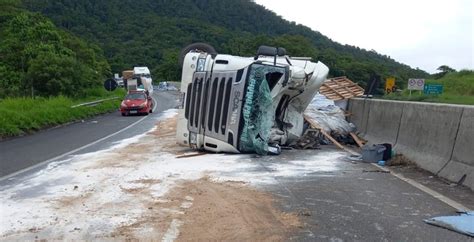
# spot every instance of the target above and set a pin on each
(271, 51)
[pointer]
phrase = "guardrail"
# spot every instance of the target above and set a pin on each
(93, 102)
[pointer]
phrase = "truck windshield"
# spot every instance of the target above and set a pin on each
(258, 114)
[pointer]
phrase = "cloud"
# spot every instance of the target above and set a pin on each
(420, 33)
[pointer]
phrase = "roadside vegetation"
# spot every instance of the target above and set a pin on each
(458, 88)
(24, 115)
(45, 70)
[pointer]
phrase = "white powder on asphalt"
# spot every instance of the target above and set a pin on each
(82, 195)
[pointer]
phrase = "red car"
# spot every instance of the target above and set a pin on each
(136, 103)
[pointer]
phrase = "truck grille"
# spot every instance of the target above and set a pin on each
(208, 104)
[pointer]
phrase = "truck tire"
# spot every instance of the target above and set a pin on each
(203, 47)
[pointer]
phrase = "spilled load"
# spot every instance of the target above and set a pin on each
(245, 104)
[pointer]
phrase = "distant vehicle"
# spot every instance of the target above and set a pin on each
(136, 102)
(138, 79)
(119, 82)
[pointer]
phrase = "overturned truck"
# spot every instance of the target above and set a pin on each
(244, 104)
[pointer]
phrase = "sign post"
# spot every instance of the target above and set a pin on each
(416, 84)
(389, 85)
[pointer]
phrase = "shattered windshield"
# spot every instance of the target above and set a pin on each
(258, 112)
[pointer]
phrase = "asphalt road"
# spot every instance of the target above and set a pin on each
(352, 202)
(358, 202)
(22, 152)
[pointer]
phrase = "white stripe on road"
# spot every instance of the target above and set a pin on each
(427, 190)
(76, 150)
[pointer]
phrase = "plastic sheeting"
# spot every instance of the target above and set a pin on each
(329, 116)
(463, 224)
(257, 112)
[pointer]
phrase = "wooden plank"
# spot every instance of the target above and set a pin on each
(356, 139)
(314, 125)
(191, 155)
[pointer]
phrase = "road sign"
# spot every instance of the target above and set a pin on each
(110, 85)
(433, 89)
(416, 84)
(389, 85)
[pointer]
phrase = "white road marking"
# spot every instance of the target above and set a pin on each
(75, 150)
(427, 190)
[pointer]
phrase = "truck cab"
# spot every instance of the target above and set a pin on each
(245, 104)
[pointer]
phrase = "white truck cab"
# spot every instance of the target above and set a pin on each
(142, 75)
(244, 104)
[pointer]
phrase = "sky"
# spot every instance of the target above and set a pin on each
(421, 33)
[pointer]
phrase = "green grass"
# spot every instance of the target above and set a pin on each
(25, 115)
(458, 88)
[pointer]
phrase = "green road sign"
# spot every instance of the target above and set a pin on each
(433, 89)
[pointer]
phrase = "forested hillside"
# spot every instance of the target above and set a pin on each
(151, 33)
(39, 59)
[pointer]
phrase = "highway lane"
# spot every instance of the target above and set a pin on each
(20, 153)
(359, 202)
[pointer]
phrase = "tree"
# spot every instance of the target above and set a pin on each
(38, 58)
(443, 70)
(169, 69)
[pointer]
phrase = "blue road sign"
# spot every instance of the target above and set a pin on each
(433, 89)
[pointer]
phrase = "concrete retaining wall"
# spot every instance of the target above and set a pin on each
(359, 113)
(438, 137)
(462, 160)
(383, 121)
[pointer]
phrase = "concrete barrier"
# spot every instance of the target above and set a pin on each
(428, 133)
(383, 122)
(359, 109)
(462, 160)
(437, 137)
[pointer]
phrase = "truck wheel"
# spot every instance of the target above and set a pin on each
(203, 47)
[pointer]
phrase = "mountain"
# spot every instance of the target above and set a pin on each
(151, 33)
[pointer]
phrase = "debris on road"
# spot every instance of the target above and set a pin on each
(165, 86)
(230, 211)
(357, 139)
(373, 153)
(191, 155)
(108, 194)
(340, 88)
(399, 160)
(463, 223)
(328, 116)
